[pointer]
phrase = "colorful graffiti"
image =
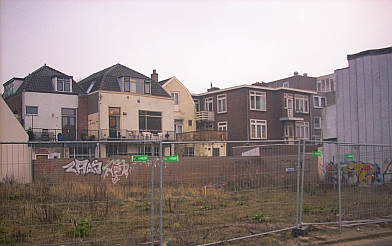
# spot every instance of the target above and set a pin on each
(354, 172)
(84, 167)
(117, 168)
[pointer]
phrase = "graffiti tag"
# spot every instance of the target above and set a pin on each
(117, 168)
(84, 167)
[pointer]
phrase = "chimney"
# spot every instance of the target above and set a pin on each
(154, 75)
(295, 73)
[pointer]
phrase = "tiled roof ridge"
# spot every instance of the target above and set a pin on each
(46, 66)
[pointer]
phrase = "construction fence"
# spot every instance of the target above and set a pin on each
(187, 193)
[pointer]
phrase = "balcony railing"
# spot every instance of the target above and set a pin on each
(205, 116)
(42, 134)
(202, 136)
(126, 134)
(288, 114)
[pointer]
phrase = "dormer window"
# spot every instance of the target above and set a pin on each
(8, 90)
(63, 84)
(128, 84)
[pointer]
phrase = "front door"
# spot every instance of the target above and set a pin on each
(289, 131)
(68, 129)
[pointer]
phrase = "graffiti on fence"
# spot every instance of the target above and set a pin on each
(156, 162)
(387, 172)
(46, 166)
(84, 167)
(117, 168)
(354, 172)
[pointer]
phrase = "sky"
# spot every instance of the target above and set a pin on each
(226, 43)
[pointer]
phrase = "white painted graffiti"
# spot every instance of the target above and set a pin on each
(84, 167)
(155, 161)
(117, 168)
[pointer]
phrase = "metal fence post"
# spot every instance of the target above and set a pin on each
(160, 192)
(339, 188)
(298, 179)
(152, 196)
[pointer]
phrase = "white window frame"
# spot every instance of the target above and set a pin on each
(319, 102)
(64, 82)
(222, 105)
(209, 104)
(176, 97)
(222, 126)
(302, 130)
(301, 103)
(317, 125)
(259, 96)
(325, 85)
(258, 129)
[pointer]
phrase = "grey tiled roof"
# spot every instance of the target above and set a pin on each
(106, 79)
(162, 82)
(41, 81)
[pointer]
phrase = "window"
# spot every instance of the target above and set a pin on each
(286, 84)
(31, 110)
(317, 122)
(197, 104)
(302, 129)
(147, 87)
(319, 102)
(190, 122)
(8, 90)
(288, 101)
(222, 108)
(257, 101)
(81, 152)
(189, 151)
(127, 84)
(175, 95)
(150, 121)
(114, 150)
(325, 85)
(222, 126)
(301, 104)
(178, 126)
(208, 104)
(63, 84)
(258, 129)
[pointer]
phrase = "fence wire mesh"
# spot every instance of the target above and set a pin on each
(135, 193)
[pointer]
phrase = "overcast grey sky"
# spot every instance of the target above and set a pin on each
(227, 43)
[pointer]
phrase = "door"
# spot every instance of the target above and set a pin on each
(289, 131)
(68, 130)
(290, 107)
(114, 126)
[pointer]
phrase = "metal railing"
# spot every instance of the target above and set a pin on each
(207, 135)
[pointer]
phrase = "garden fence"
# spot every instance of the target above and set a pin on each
(149, 192)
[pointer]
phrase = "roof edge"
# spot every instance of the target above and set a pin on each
(370, 53)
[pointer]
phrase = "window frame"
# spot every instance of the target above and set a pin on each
(197, 104)
(209, 104)
(301, 104)
(286, 84)
(221, 103)
(150, 115)
(254, 123)
(302, 130)
(253, 95)
(319, 100)
(176, 96)
(222, 126)
(32, 107)
(319, 123)
(61, 84)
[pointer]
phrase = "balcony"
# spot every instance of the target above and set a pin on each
(202, 136)
(127, 134)
(43, 134)
(288, 115)
(205, 116)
